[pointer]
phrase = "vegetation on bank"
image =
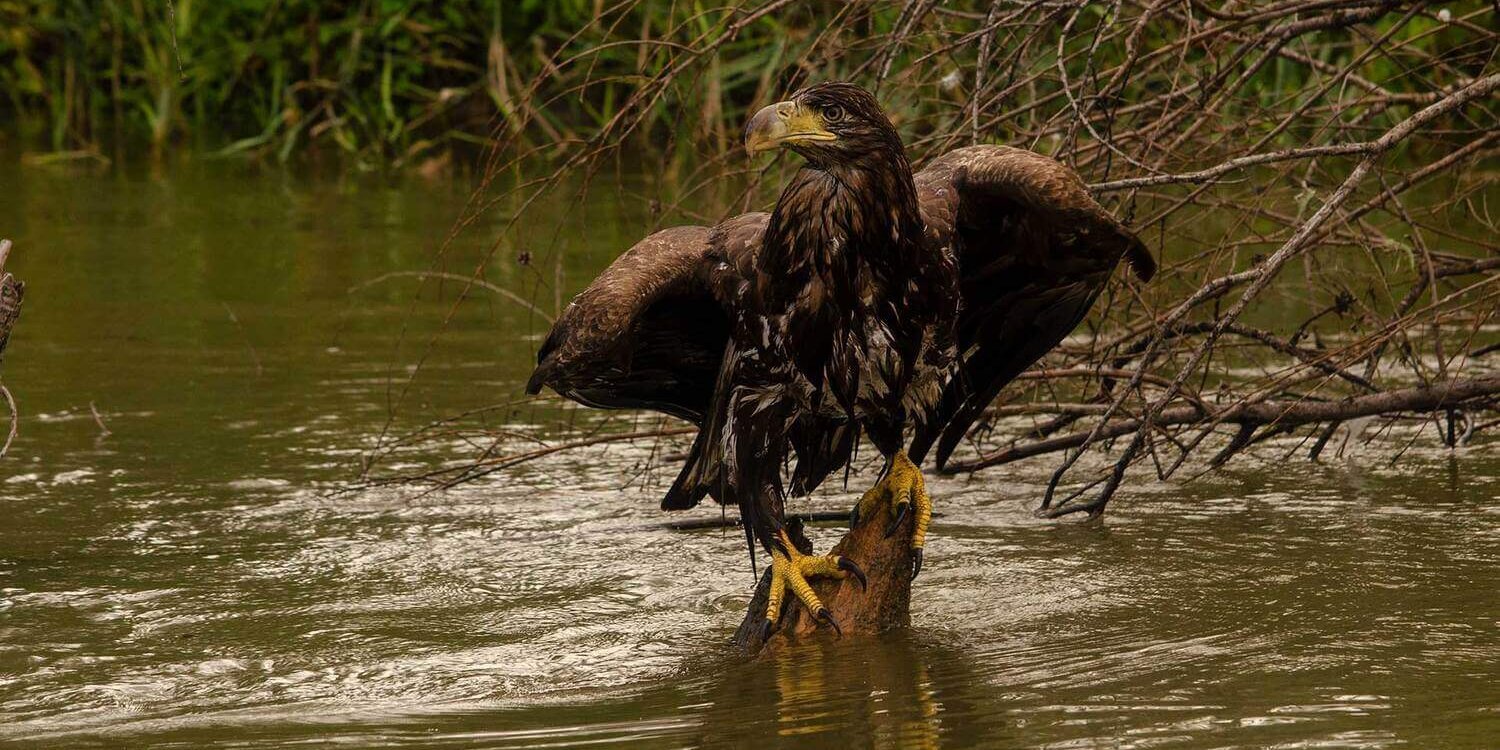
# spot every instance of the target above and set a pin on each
(375, 79)
(402, 80)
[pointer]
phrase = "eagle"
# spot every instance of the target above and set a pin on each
(872, 302)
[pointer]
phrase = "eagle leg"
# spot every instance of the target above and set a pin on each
(790, 570)
(903, 491)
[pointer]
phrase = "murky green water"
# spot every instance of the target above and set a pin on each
(187, 581)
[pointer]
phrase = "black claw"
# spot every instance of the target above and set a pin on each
(848, 565)
(826, 616)
(766, 626)
(916, 562)
(901, 511)
(854, 516)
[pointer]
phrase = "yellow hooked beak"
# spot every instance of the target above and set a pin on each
(782, 124)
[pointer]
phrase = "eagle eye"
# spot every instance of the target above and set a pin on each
(833, 113)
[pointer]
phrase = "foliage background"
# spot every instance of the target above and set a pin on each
(389, 80)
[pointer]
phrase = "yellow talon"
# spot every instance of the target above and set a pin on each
(902, 490)
(790, 569)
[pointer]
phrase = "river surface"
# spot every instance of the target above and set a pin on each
(192, 577)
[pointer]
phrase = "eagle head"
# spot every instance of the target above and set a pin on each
(833, 123)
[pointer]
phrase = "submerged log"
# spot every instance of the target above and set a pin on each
(10, 309)
(10, 297)
(884, 604)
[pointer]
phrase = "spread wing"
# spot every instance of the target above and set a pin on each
(648, 333)
(655, 330)
(1034, 250)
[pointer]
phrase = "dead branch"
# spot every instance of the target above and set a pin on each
(11, 292)
(15, 420)
(1280, 413)
(1259, 277)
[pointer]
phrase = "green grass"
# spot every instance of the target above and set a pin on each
(376, 79)
(399, 81)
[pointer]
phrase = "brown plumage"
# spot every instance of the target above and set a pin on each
(1034, 252)
(871, 301)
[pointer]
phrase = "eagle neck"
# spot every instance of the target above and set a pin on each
(829, 216)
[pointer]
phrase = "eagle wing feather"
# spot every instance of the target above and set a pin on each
(648, 333)
(1034, 250)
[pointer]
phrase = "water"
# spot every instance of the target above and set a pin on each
(188, 579)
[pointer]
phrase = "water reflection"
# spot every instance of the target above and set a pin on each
(868, 692)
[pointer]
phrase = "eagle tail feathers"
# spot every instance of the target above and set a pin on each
(1140, 260)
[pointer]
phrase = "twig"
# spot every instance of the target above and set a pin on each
(99, 420)
(15, 420)
(500, 290)
(245, 336)
(453, 476)
(172, 26)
